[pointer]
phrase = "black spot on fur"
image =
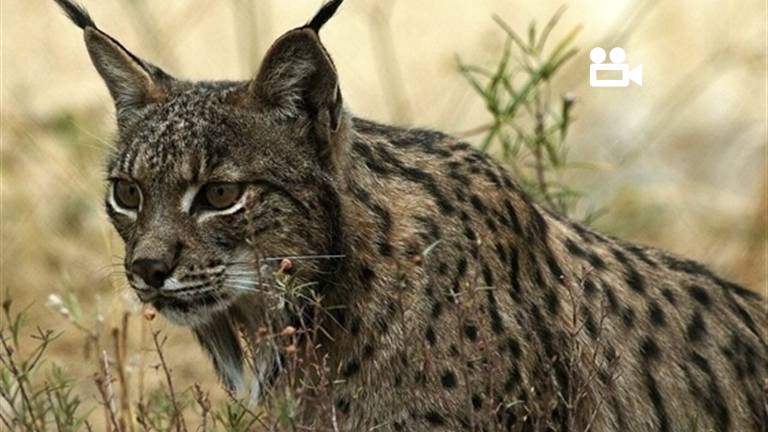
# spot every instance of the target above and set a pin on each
(492, 177)
(554, 267)
(453, 350)
(350, 368)
(514, 275)
(497, 325)
(456, 285)
(649, 349)
(392, 307)
(477, 203)
(437, 309)
(655, 314)
(635, 279)
(656, 399)
(700, 295)
(342, 404)
(685, 266)
(513, 219)
(553, 302)
(367, 274)
(470, 331)
(513, 346)
(367, 351)
(354, 327)
(460, 146)
(538, 227)
(589, 288)
(628, 316)
(584, 234)
(434, 418)
(448, 379)
(469, 233)
(491, 225)
(477, 402)
(463, 180)
(669, 295)
(713, 400)
(589, 321)
(500, 252)
(430, 335)
(632, 276)
(487, 275)
(592, 258)
(640, 253)
(696, 329)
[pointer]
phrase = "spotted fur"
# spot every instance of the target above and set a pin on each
(457, 303)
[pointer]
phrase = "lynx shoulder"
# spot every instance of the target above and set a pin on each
(423, 289)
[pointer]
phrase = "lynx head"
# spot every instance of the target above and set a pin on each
(210, 180)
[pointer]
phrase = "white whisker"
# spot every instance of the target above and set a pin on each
(247, 289)
(250, 284)
(248, 281)
(186, 287)
(302, 257)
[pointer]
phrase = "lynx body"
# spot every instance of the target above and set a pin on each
(434, 294)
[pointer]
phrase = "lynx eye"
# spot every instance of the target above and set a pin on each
(127, 194)
(219, 196)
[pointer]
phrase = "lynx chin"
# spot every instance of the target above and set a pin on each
(424, 289)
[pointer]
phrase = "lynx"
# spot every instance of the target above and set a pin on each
(443, 298)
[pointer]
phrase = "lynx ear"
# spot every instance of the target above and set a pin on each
(298, 78)
(131, 81)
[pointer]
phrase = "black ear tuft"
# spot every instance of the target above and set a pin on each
(324, 14)
(131, 81)
(76, 13)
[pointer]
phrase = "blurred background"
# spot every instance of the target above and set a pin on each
(679, 163)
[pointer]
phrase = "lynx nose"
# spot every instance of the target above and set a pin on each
(153, 272)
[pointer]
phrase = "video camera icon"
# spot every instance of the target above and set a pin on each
(617, 56)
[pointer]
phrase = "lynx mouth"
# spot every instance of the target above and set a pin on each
(163, 302)
(193, 302)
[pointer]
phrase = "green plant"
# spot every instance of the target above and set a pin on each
(32, 399)
(528, 125)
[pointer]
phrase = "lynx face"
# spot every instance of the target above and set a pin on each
(181, 203)
(212, 182)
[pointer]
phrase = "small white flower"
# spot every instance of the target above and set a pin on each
(54, 301)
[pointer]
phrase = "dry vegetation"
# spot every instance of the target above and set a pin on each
(678, 164)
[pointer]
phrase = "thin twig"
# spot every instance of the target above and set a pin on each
(19, 377)
(205, 405)
(178, 417)
(104, 385)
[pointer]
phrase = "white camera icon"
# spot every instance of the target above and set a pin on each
(617, 56)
